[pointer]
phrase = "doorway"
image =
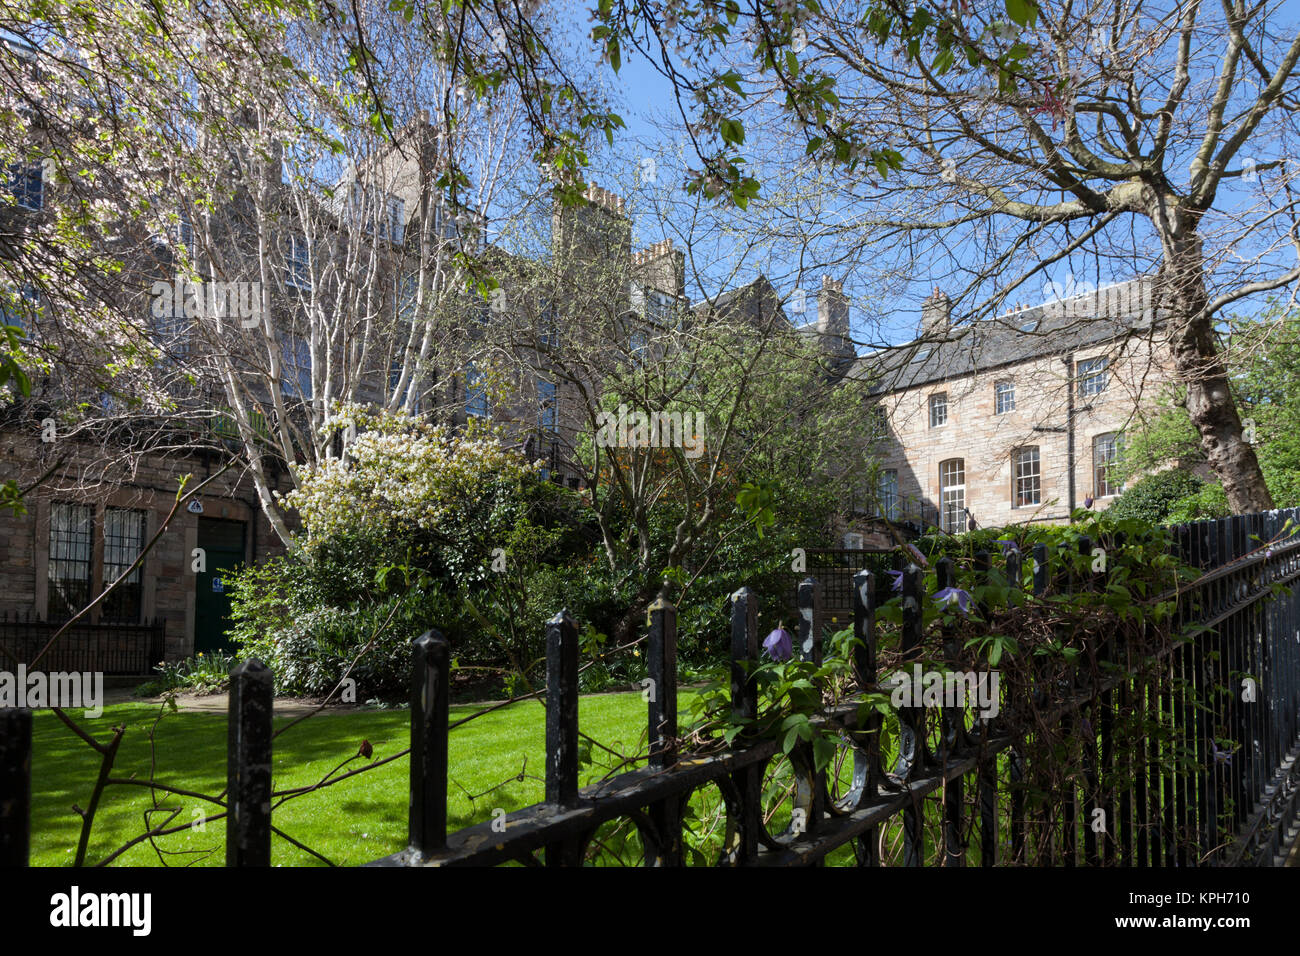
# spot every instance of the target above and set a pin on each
(222, 542)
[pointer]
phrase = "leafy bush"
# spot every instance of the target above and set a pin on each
(1168, 497)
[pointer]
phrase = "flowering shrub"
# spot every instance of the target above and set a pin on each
(398, 475)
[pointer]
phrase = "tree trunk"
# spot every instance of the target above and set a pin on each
(1200, 366)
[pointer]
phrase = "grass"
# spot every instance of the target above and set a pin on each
(497, 762)
(351, 822)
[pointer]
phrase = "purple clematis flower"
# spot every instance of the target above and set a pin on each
(954, 596)
(779, 645)
(1087, 502)
(1008, 546)
(898, 580)
(1220, 756)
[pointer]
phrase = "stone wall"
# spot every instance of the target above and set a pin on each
(148, 483)
(1044, 392)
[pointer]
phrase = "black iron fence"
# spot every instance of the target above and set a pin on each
(834, 569)
(1211, 779)
(111, 649)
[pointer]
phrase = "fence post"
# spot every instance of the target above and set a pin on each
(987, 770)
(810, 618)
(866, 770)
(562, 730)
(744, 654)
(744, 706)
(664, 848)
(661, 661)
(248, 767)
(15, 785)
(1015, 758)
(430, 688)
(561, 709)
(1088, 737)
(1040, 578)
(952, 734)
(810, 646)
(911, 720)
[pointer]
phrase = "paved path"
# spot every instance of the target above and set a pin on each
(218, 703)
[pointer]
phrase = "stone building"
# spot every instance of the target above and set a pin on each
(99, 496)
(1017, 418)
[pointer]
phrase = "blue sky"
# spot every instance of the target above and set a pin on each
(642, 94)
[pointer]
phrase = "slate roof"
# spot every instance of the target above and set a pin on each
(1056, 328)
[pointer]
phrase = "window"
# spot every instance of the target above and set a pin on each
(938, 409)
(659, 308)
(1004, 398)
(16, 306)
(71, 533)
(123, 542)
(853, 540)
(394, 224)
(181, 233)
(952, 494)
(548, 336)
(172, 333)
(920, 355)
(547, 405)
(408, 287)
(878, 419)
(295, 377)
(1106, 451)
(1092, 376)
(637, 343)
(887, 495)
(386, 219)
(27, 183)
(1027, 486)
(299, 264)
(476, 397)
(395, 369)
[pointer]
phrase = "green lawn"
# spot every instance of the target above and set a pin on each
(365, 817)
(351, 822)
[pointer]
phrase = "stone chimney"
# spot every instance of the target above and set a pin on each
(832, 309)
(936, 314)
(662, 267)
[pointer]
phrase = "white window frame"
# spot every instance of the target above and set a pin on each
(938, 409)
(1004, 397)
(1103, 486)
(1093, 375)
(952, 495)
(887, 494)
(1026, 477)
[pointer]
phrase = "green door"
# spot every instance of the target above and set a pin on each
(223, 546)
